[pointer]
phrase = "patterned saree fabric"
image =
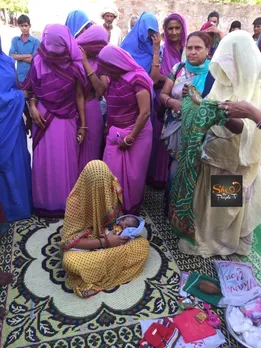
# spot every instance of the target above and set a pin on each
(197, 118)
(94, 203)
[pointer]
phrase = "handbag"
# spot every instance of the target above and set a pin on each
(172, 123)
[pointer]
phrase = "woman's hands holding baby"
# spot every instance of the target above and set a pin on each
(115, 240)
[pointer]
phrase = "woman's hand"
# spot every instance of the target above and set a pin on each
(240, 109)
(84, 55)
(37, 117)
(115, 240)
(175, 105)
(185, 91)
(81, 135)
(123, 145)
(156, 39)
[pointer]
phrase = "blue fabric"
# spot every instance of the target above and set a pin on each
(137, 43)
(132, 232)
(76, 21)
(19, 46)
(200, 72)
(15, 171)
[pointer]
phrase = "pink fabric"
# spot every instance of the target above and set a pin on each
(91, 148)
(159, 162)
(92, 41)
(171, 55)
(59, 52)
(55, 167)
(130, 166)
(118, 58)
(122, 108)
(206, 26)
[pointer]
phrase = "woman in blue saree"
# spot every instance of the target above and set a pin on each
(77, 21)
(15, 171)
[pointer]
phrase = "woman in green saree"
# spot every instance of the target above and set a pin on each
(233, 149)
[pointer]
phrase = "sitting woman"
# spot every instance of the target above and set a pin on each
(129, 139)
(194, 70)
(15, 171)
(92, 41)
(233, 149)
(94, 203)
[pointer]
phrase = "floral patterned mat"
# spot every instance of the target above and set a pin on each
(43, 311)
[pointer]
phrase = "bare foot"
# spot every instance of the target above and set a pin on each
(5, 278)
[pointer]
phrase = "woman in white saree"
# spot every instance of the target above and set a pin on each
(233, 149)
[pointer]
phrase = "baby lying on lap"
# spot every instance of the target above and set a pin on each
(127, 225)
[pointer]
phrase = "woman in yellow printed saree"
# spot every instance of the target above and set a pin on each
(94, 203)
(233, 149)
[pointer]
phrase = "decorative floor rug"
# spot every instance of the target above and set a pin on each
(44, 313)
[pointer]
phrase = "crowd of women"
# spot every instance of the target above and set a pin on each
(156, 128)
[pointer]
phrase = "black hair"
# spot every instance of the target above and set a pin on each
(205, 37)
(213, 14)
(23, 19)
(234, 25)
(257, 21)
(135, 221)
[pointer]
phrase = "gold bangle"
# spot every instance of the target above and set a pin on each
(90, 74)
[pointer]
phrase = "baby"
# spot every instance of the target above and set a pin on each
(123, 223)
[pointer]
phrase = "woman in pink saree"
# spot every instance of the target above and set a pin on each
(129, 139)
(56, 80)
(175, 34)
(92, 41)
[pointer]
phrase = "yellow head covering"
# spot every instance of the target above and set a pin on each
(94, 202)
(236, 67)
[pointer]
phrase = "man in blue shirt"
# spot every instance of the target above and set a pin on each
(23, 47)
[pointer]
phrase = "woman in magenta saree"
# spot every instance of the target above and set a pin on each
(56, 80)
(129, 139)
(175, 34)
(92, 41)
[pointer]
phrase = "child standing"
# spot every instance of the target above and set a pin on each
(23, 48)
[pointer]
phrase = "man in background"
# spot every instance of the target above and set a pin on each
(109, 14)
(257, 28)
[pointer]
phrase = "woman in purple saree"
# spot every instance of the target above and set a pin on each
(175, 34)
(129, 139)
(92, 41)
(56, 80)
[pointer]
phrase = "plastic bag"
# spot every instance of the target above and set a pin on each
(237, 281)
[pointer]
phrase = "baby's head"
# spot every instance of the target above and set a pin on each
(129, 221)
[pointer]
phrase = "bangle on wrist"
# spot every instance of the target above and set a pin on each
(90, 73)
(99, 239)
(107, 244)
(132, 139)
(83, 127)
(166, 102)
(125, 141)
(156, 64)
